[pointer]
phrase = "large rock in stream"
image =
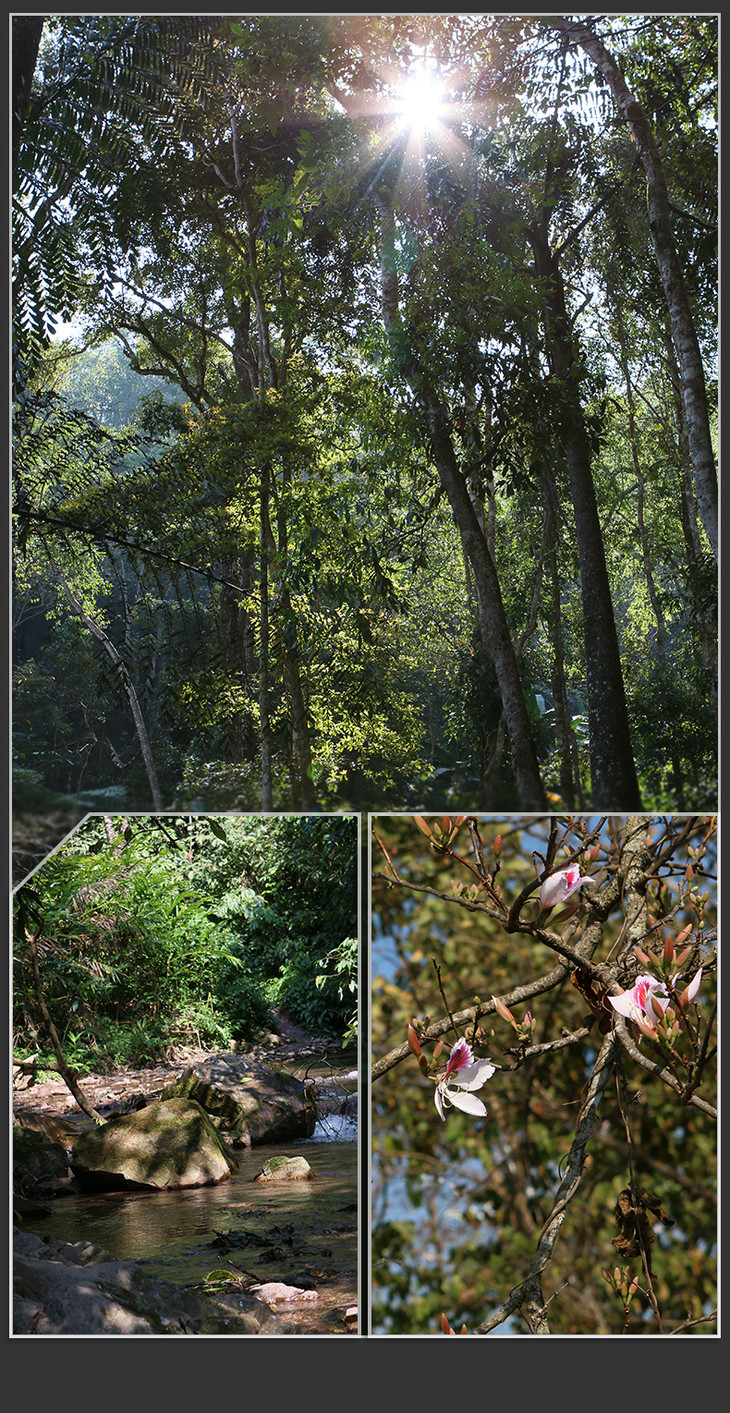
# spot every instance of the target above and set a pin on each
(251, 1103)
(168, 1144)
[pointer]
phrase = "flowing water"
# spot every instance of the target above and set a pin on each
(302, 1233)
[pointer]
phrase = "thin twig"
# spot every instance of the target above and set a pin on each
(484, 1008)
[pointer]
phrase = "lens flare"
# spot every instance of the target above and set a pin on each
(421, 101)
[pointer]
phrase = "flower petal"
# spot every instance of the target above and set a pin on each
(559, 886)
(694, 985)
(438, 1101)
(461, 1057)
(468, 1103)
(624, 1004)
(475, 1076)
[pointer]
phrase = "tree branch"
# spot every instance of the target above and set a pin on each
(529, 1292)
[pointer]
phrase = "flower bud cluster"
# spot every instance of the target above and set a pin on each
(440, 834)
(655, 1004)
(621, 1280)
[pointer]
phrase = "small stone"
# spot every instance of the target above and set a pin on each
(284, 1170)
(272, 1292)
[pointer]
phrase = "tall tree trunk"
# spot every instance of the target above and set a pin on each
(613, 771)
(684, 334)
(494, 628)
(705, 615)
(643, 532)
(301, 749)
(266, 781)
(570, 781)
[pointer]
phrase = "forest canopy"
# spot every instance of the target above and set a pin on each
(375, 466)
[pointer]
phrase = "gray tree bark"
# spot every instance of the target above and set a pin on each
(684, 334)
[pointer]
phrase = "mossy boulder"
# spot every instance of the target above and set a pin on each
(169, 1144)
(250, 1103)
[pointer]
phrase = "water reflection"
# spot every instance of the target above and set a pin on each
(301, 1233)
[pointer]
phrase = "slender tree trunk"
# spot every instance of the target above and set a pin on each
(68, 1075)
(705, 616)
(302, 782)
(613, 771)
(494, 628)
(237, 634)
(684, 334)
(643, 532)
(301, 748)
(128, 685)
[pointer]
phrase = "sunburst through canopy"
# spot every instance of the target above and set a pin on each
(421, 101)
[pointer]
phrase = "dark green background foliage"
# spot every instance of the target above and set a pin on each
(458, 1206)
(188, 930)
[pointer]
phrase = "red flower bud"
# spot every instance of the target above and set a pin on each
(413, 1041)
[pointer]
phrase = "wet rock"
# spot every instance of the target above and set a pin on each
(284, 1170)
(40, 1168)
(253, 1104)
(77, 1290)
(169, 1144)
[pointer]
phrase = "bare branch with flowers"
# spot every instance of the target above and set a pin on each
(617, 902)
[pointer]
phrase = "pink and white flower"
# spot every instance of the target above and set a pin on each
(462, 1075)
(559, 886)
(648, 999)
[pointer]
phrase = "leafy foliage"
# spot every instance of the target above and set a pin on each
(151, 934)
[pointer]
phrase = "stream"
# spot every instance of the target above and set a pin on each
(242, 1232)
